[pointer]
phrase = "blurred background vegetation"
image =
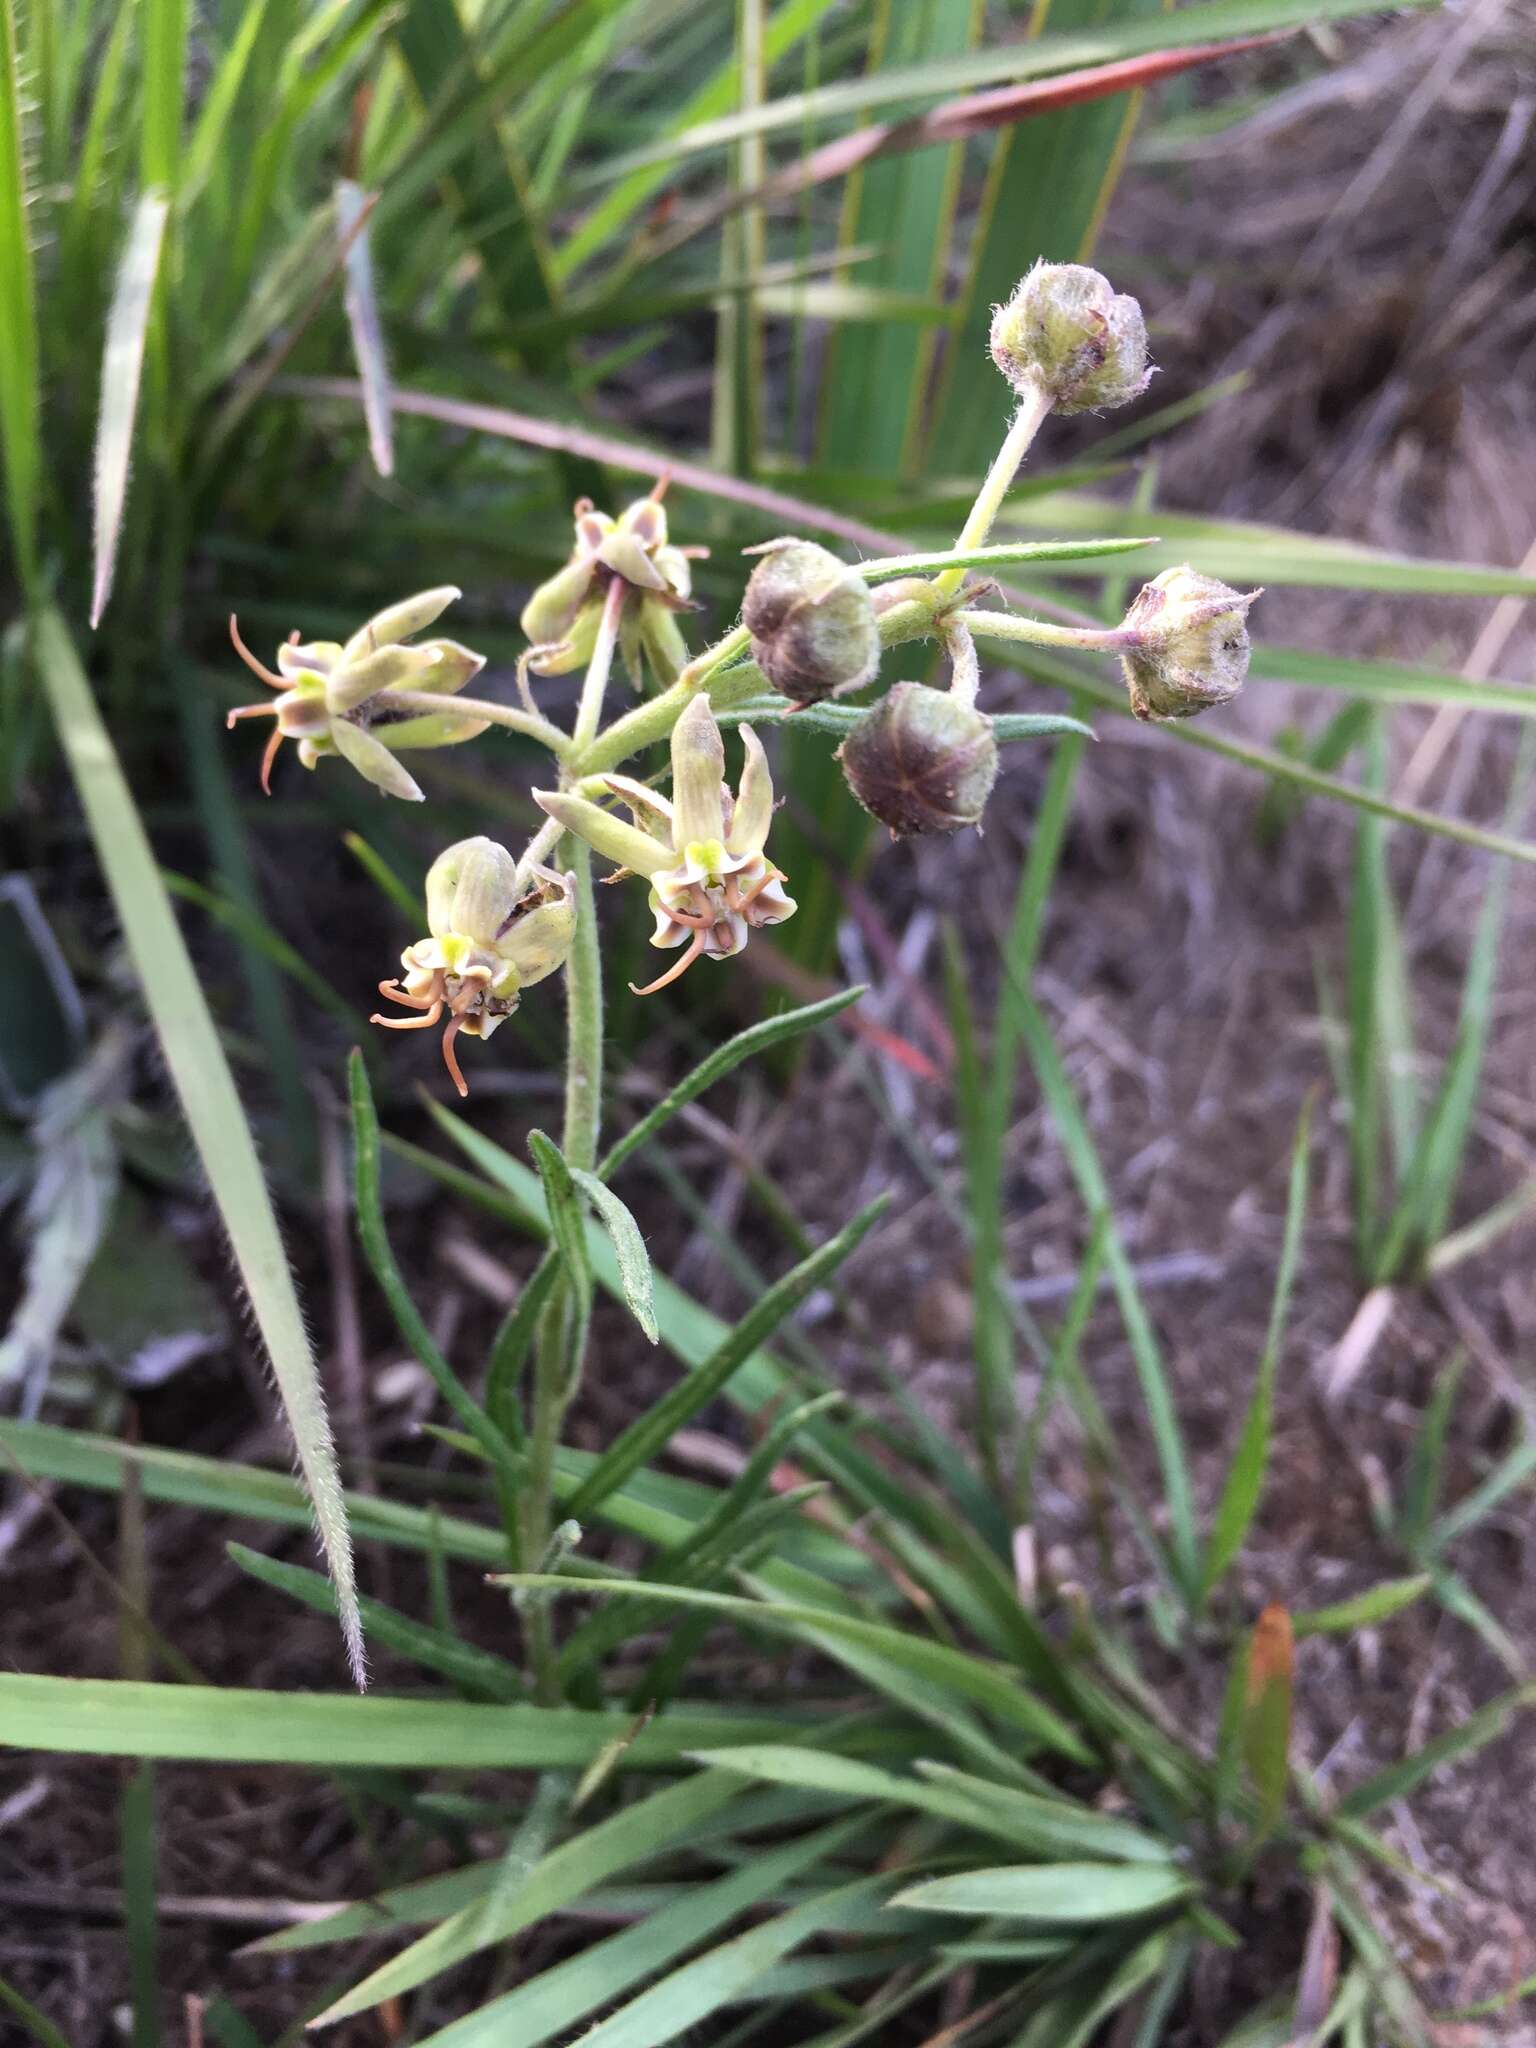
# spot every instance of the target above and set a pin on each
(304, 306)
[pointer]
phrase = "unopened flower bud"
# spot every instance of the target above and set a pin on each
(1193, 644)
(812, 621)
(921, 761)
(1067, 333)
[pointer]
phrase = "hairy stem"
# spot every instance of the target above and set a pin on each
(527, 722)
(589, 712)
(1008, 626)
(1027, 422)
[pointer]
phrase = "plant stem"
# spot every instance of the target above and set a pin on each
(1027, 422)
(589, 712)
(557, 1365)
(1008, 626)
(965, 677)
(528, 722)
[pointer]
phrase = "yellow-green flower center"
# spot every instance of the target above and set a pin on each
(708, 855)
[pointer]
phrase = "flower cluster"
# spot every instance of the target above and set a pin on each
(921, 757)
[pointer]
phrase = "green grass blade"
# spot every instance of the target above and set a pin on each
(1049, 182)
(206, 1090)
(1083, 1892)
(1424, 1478)
(877, 378)
(372, 1230)
(478, 1672)
(647, 1437)
(224, 1724)
(633, 1835)
(37, 2024)
(1388, 683)
(1244, 552)
(1399, 1780)
(363, 321)
(670, 2009)
(560, 1997)
(1210, 22)
(1511, 1471)
(121, 364)
(20, 399)
(1365, 1610)
(206, 142)
(165, 63)
(956, 1673)
(1245, 1480)
(789, 25)
(1074, 1137)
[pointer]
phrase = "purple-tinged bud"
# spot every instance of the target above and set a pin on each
(812, 622)
(1193, 644)
(921, 761)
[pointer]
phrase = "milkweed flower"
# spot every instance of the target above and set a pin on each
(562, 616)
(702, 851)
(335, 699)
(490, 937)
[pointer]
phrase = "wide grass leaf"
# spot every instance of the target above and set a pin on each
(224, 1724)
(206, 1089)
(1083, 1892)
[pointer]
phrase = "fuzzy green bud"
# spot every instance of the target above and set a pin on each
(812, 622)
(1067, 333)
(1192, 644)
(921, 761)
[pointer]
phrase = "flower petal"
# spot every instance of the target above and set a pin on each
(611, 836)
(754, 799)
(698, 771)
(428, 729)
(313, 657)
(373, 761)
(454, 667)
(399, 621)
(391, 668)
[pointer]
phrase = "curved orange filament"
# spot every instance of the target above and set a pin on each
(748, 896)
(268, 758)
(450, 1061)
(672, 973)
(397, 994)
(694, 920)
(272, 682)
(424, 1023)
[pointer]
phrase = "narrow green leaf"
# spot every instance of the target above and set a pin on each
(669, 2009)
(1510, 1472)
(363, 322)
(954, 1671)
(20, 400)
(1212, 21)
(1365, 1610)
(565, 1994)
(631, 1836)
(373, 1231)
(648, 1436)
(567, 1227)
(1082, 1156)
(628, 1248)
(1086, 1892)
(206, 1090)
(757, 1038)
(1399, 1780)
(1423, 1479)
(1000, 556)
(37, 2024)
(165, 62)
(480, 1673)
(1245, 1479)
(121, 363)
